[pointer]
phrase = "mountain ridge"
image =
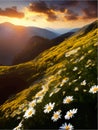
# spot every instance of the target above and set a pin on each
(36, 46)
(14, 38)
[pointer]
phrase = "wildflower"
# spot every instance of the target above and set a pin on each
(79, 77)
(66, 127)
(18, 127)
(74, 80)
(76, 89)
(64, 81)
(70, 83)
(68, 99)
(75, 68)
(56, 115)
(49, 107)
(33, 103)
(67, 54)
(94, 89)
(70, 113)
(29, 112)
(39, 100)
(43, 87)
(51, 94)
(90, 51)
(64, 92)
(84, 90)
(82, 58)
(18, 117)
(24, 109)
(59, 72)
(83, 83)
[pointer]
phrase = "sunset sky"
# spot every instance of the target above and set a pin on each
(48, 13)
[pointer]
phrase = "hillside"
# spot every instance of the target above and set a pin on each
(68, 69)
(36, 45)
(14, 38)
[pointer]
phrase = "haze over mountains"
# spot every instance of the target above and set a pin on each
(14, 38)
(36, 45)
(63, 30)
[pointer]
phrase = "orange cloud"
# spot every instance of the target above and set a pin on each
(11, 12)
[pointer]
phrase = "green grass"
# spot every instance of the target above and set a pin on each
(49, 69)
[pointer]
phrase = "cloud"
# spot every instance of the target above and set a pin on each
(50, 7)
(61, 5)
(90, 11)
(42, 7)
(11, 12)
(72, 10)
(70, 15)
(89, 14)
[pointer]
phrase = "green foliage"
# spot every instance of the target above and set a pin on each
(50, 69)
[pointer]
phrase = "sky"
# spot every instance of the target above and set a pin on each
(48, 13)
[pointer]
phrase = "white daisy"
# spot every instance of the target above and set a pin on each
(49, 107)
(75, 68)
(29, 112)
(32, 103)
(56, 115)
(67, 99)
(83, 82)
(94, 89)
(70, 113)
(66, 126)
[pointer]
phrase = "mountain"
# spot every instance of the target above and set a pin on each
(14, 38)
(63, 30)
(75, 29)
(68, 69)
(30, 31)
(36, 45)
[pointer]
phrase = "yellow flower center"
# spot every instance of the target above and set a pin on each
(67, 128)
(29, 113)
(95, 89)
(70, 114)
(49, 108)
(56, 116)
(68, 100)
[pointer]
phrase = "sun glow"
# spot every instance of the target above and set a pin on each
(40, 20)
(30, 19)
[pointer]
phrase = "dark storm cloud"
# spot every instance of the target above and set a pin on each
(11, 12)
(89, 14)
(42, 7)
(73, 7)
(50, 7)
(62, 5)
(91, 10)
(70, 15)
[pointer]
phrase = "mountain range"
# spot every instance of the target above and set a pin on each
(37, 45)
(67, 69)
(14, 38)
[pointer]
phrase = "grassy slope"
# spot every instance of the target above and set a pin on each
(49, 69)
